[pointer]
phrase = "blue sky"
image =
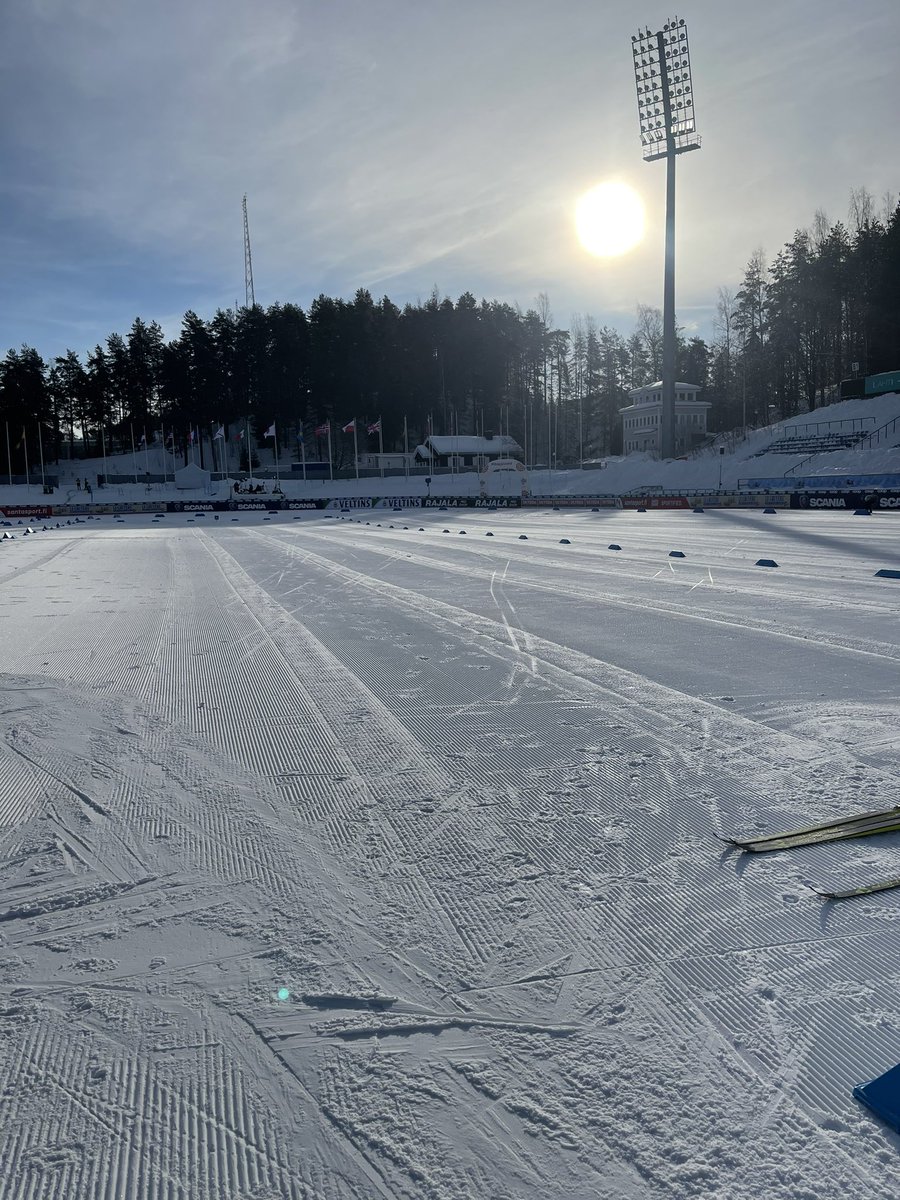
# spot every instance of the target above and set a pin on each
(404, 146)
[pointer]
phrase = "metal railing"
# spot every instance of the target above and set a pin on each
(802, 462)
(822, 428)
(873, 438)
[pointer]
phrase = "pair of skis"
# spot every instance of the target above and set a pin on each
(862, 825)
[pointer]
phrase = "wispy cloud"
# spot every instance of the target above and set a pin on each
(397, 145)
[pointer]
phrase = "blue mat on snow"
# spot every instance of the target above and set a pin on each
(882, 1095)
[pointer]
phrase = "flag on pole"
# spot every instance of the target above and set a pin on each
(350, 427)
(322, 430)
(375, 427)
(170, 440)
(192, 437)
(220, 433)
(270, 432)
(299, 435)
(239, 437)
(143, 441)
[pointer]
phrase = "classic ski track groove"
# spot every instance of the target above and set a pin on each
(656, 604)
(381, 586)
(441, 613)
(197, 1108)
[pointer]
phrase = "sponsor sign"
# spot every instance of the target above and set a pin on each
(655, 502)
(888, 381)
(239, 504)
(883, 501)
(398, 502)
(829, 501)
(744, 501)
(26, 510)
(740, 500)
(471, 502)
(570, 502)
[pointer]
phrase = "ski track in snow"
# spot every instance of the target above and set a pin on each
(461, 800)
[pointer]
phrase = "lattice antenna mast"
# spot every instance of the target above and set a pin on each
(249, 296)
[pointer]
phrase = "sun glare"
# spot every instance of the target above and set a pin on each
(610, 219)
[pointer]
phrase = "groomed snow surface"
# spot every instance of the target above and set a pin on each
(377, 857)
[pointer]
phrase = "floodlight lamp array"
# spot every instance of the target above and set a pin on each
(662, 72)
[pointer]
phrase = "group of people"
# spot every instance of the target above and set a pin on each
(84, 486)
(251, 490)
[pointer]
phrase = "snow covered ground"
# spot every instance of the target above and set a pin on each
(743, 458)
(346, 858)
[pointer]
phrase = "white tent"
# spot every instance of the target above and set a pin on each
(191, 477)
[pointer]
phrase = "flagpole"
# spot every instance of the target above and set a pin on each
(275, 435)
(103, 446)
(355, 449)
(41, 447)
(381, 447)
(249, 455)
(330, 459)
(25, 444)
(303, 452)
(146, 453)
(8, 454)
(133, 452)
(406, 445)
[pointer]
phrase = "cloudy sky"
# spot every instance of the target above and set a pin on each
(404, 146)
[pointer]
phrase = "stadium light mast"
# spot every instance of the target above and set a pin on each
(665, 96)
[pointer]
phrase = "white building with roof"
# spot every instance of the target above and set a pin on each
(642, 419)
(465, 451)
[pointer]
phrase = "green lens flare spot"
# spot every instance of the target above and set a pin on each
(283, 994)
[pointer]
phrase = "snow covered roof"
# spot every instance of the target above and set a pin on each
(656, 387)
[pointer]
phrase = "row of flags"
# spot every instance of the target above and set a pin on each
(194, 434)
(325, 430)
(319, 431)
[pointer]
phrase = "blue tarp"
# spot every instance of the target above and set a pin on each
(882, 1095)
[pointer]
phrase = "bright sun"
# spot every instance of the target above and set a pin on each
(610, 219)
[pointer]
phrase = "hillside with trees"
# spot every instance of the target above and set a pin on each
(783, 339)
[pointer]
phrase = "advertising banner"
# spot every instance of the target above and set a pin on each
(569, 502)
(26, 510)
(880, 501)
(653, 502)
(398, 502)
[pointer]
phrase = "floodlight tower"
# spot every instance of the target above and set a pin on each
(249, 297)
(662, 72)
